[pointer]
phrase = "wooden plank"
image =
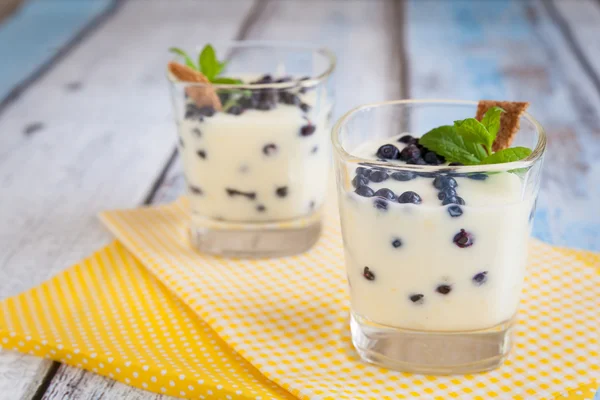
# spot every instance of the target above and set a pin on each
(97, 145)
(21, 375)
(41, 29)
(514, 50)
(8, 7)
(73, 383)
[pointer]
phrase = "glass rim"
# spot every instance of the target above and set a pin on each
(294, 83)
(527, 162)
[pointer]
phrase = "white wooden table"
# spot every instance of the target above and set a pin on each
(86, 123)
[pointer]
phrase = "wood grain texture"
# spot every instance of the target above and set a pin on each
(21, 375)
(73, 383)
(43, 30)
(514, 50)
(100, 146)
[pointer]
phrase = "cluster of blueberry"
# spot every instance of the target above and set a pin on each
(383, 195)
(281, 192)
(444, 289)
(447, 187)
(412, 153)
(264, 99)
(192, 111)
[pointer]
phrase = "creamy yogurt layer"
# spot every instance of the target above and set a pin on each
(417, 263)
(268, 162)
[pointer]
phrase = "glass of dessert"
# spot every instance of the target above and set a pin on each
(436, 209)
(254, 140)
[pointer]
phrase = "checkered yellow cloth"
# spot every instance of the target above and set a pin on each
(277, 328)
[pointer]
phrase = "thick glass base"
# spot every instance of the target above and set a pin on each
(431, 353)
(256, 240)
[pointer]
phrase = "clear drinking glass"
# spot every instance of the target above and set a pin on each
(434, 288)
(257, 166)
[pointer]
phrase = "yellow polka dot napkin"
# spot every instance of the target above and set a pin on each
(288, 316)
(108, 315)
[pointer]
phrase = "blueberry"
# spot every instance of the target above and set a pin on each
(235, 110)
(463, 239)
(363, 171)
(208, 111)
(364, 191)
(480, 278)
(197, 132)
(260, 208)
(190, 114)
(368, 274)
(388, 152)
(195, 190)
(380, 204)
(396, 243)
(289, 98)
(455, 211)
(386, 194)
(264, 79)
(431, 158)
(453, 200)
(307, 129)
(269, 149)
(360, 180)
(444, 289)
(407, 139)
(282, 191)
(248, 102)
(443, 181)
(305, 107)
(283, 79)
(416, 161)
(224, 96)
(234, 192)
(410, 152)
(427, 174)
(378, 176)
(201, 154)
(264, 106)
(403, 176)
(446, 192)
(417, 298)
(409, 197)
(478, 176)
(455, 164)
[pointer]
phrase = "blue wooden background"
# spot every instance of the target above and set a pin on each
(543, 51)
(460, 49)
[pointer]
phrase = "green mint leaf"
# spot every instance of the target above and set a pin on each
(477, 138)
(491, 121)
(446, 142)
(507, 155)
(221, 67)
(209, 65)
(227, 81)
(188, 60)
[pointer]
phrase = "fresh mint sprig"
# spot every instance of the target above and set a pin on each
(470, 141)
(208, 64)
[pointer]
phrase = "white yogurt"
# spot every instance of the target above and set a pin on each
(428, 261)
(282, 174)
